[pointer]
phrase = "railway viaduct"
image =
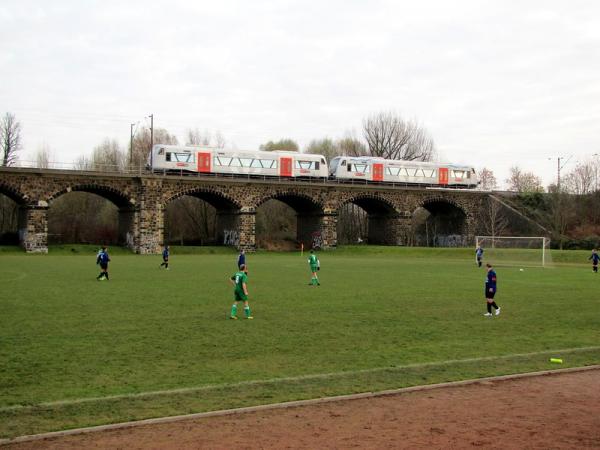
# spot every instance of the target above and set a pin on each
(141, 201)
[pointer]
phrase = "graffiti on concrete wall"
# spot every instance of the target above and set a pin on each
(317, 239)
(231, 237)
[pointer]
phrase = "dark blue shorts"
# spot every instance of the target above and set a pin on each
(489, 294)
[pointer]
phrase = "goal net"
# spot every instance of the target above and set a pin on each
(515, 251)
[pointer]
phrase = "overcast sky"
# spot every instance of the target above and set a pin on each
(497, 83)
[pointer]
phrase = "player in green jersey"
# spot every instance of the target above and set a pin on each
(240, 293)
(315, 265)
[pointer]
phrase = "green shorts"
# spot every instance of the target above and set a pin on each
(313, 268)
(240, 296)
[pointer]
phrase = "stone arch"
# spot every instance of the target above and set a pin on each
(13, 193)
(118, 198)
(382, 218)
(212, 196)
(228, 220)
(16, 220)
(309, 215)
(126, 206)
(446, 222)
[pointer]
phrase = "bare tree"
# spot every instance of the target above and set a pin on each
(325, 147)
(495, 222)
(9, 213)
(561, 214)
(351, 146)
(197, 137)
(352, 224)
(108, 157)
(487, 180)
(141, 144)
(83, 163)
(43, 156)
(282, 144)
(10, 138)
(520, 181)
(389, 136)
(581, 179)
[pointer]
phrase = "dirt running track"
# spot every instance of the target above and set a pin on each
(551, 411)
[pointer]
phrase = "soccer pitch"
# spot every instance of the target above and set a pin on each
(77, 352)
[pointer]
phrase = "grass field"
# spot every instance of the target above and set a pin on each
(76, 352)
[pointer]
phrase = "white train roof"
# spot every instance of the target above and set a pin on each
(401, 162)
(223, 151)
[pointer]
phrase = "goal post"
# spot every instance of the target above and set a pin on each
(516, 250)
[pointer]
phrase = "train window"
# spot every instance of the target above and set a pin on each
(246, 162)
(161, 151)
(303, 164)
(183, 157)
(256, 164)
(458, 173)
(224, 161)
(364, 168)
(349, 166)
(322, 160)
(316, 165)
(235, 162)
(269, 163)
(468, 174)
(168, 156)
(343, 162)
(393, 171)
(429, 173)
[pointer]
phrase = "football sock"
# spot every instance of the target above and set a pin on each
(106, 275)
(247, 311)
(166, 265)
(494, 305)
(489, 307)
(234, 310)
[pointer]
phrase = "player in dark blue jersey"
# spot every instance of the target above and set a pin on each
(165, 255)
(595, 258)
(241, 259)
(102, 259)
(479, 255)
(490, 291)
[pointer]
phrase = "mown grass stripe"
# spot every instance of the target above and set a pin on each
(318, 376)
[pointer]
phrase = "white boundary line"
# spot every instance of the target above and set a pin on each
(317, 376)
(294, 404)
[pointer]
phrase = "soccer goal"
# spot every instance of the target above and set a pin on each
(513, 250)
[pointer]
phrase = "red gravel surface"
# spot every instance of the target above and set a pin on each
(550, 411)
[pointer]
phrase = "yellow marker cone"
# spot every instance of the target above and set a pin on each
(556, 360)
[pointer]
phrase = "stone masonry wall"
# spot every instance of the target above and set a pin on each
(142, 202)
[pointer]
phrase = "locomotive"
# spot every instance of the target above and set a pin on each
(295, 165)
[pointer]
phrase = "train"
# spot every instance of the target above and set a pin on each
(295, 165)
